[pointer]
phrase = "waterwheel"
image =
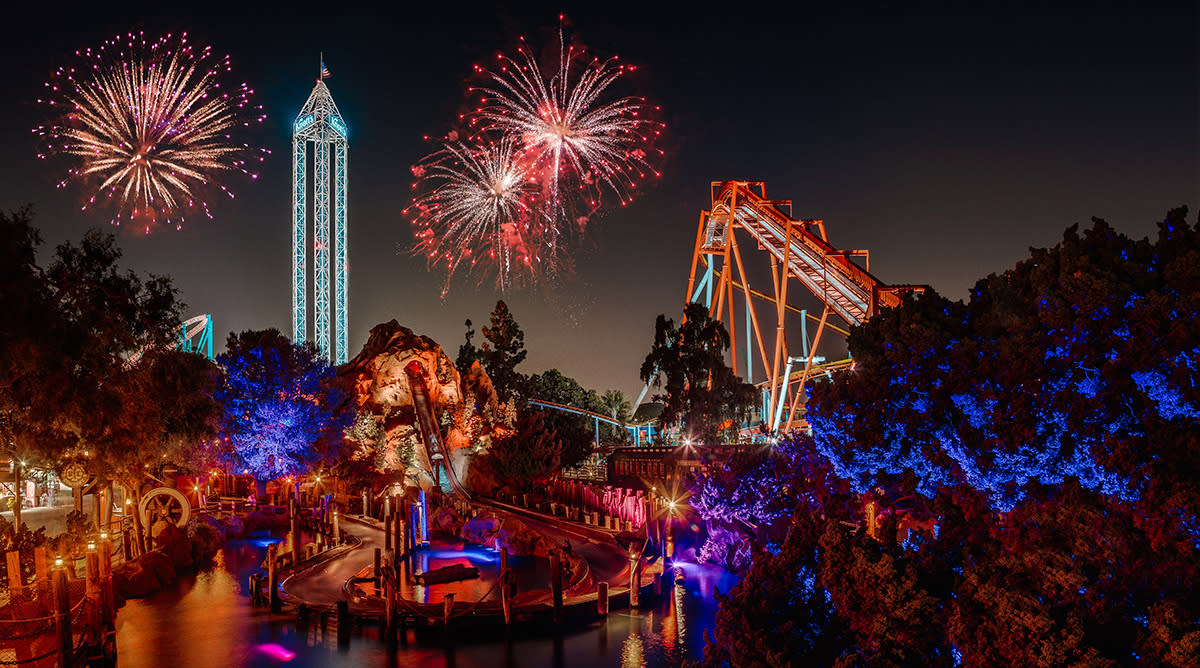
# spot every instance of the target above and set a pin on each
(162, 505)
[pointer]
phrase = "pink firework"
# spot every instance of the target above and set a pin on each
(570, 132)
(480, 204)
(575, 146)
(147, 128)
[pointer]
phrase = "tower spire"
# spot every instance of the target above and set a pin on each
(320, 124)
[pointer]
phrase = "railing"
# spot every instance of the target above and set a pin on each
(56, 619)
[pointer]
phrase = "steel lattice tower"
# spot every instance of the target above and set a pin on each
(320, 123)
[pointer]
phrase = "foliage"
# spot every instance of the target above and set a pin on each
(573, 431)
(529, 455)
(503, 350)
(468, 354)
(66, 388)
(18, 537)
(282, 413)
(1047, 429)
(778, 614)
(702, 392)
(1078, 363)
(617, 407)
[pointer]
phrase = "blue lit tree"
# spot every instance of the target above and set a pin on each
(281, 413)
(1079, 363)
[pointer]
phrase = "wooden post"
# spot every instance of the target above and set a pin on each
(366, 504)
(127, 544)
(15, 581)
(447, 608)
(602, 599)
(399, 533)
(375, 573)
(635, 582)
(387, 533)
(389, 603)
(62, 616)
(92, 590)
(344, 622)
(273, 579)
(506, 586)
(556, 585)
(106, 582)
(337, 529)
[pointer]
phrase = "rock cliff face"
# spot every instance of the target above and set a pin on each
(465, 409)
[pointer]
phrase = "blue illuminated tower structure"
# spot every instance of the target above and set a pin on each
(320, 124)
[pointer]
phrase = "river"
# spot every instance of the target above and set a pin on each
(206, 620)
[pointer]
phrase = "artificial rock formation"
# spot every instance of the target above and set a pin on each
(466, 409)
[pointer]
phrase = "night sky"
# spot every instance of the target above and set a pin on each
(945, 141)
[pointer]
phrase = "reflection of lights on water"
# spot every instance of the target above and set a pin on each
(633, 653)
(680, 620)
(276, 651)
(486, 556)
(266, 542)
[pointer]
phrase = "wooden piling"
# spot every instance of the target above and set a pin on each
(507, 586)
(15, 581)
(273, 579)
(92, 591)
(62, 616)
(108, 606)
(556, 585)
(387, 532)
(602, 599)
(635, 581)
(447, 608)
(344, 623)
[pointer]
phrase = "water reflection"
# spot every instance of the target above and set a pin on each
(206, 620)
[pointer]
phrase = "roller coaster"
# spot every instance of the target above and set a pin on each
(799, 250)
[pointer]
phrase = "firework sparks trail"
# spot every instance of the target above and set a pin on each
(147, 127)
(481, 204)
(566, 128)
(572, 146)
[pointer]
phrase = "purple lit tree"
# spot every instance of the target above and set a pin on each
(282, 415)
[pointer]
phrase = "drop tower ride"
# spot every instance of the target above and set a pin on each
(320, 124)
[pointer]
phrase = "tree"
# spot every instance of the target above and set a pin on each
(503, 351)
(617, 407)
(529, 455)
(1078, 363)
(69, 328)
(778, 615)
(282, 413)
(468, 354)
(702, 392)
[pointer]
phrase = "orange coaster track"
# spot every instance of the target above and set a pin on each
(797, 249)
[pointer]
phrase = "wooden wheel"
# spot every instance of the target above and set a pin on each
(162, 505)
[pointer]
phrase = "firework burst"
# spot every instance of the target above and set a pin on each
(480, 204)
(569, 133)
(568, 147)
(147, 129)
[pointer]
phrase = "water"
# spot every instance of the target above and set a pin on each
(205, 620)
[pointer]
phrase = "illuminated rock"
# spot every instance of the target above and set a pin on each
(465, 408)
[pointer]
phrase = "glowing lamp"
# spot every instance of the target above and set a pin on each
(58, 562)
(91, 546)
(103, 535)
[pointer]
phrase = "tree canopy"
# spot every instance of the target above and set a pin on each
(1031, 459)
(281, 412)
(503, 350)
(701, 391)
(67, 389)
